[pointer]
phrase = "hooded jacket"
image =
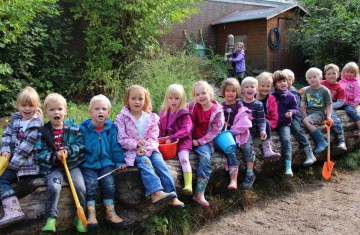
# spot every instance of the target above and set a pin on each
(286, 103)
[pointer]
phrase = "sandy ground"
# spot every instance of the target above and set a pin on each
(320, 208)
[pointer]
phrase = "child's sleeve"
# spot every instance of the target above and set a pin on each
(216, 127)
(357, 94)
(122, 137)
(239, 57)
(116, 150)
(185, 130)
(76, 144)
(151, 136)
(340, 98)
(6, 139)
(293, 107)
(272, 112)
(260, 118)
(43, 151)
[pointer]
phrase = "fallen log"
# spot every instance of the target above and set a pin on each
(132, 205)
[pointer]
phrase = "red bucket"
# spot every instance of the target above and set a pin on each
(167, 150)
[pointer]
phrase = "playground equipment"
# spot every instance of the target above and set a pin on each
(198, 48)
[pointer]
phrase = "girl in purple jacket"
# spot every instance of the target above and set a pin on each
(176, 124)
(238, 61)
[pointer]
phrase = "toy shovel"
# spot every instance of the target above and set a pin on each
(328, 165)
(79, 209)
(4, 163)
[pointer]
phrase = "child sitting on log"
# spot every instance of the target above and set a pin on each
(103, 154)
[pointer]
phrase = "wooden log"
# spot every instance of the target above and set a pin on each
(132, 205)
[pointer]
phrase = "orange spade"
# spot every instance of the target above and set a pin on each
(328, 165)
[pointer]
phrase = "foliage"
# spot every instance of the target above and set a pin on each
(330, 34)
(119, 32)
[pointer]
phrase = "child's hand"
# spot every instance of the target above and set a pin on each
(59, 155)
(6, 154)
(263, 135)
(195, 143)
(168, 141)
(288, 114)
(121, 167)
(302, 91)
(141, 143)
(330, 119)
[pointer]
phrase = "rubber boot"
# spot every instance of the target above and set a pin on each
(91, 218)
(267, 150)
(233, 171)
(200, 191)
(50, 225)
(112, 217)
(176, 203)
(341, 142)
(187, 190)
(160, 197)
(310, 158)
(79, 226)
(12, 212)
(288, 170)
(319, 140)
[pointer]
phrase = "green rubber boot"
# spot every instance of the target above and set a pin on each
(50, 225)
(79, 226)
(187, 190)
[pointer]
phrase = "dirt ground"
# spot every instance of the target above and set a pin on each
(320, 208)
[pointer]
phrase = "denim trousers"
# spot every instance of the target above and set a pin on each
(268, 129)
(299, 133)
(352, 113)
(204, 154)
(54, 180)
(336, 127)
(248, 150)
(232, 159)
(284, 134)
(107, 184)
(6, 190)
(155, 174)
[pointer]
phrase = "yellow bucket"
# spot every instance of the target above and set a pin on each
(4, 162)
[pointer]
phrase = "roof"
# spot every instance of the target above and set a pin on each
(268, 3)
(256, 14)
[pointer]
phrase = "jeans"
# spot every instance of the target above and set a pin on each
(352, 113)
(268, 130)
(232, 159)
(299, 133)
(155, 174)
(336, 127)
(248, 150)
(6, 190)
(204, 154)
(284, 134)
(54, 181)
(107, 184)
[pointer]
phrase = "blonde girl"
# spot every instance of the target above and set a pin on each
(351, 85)
(138, 131)
(17, 145)
(208, 121)
(238, 61)
(176, 124)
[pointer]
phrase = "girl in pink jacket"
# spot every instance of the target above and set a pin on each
(208, 121)
(138, 133)
(351, 85)
(176, 125)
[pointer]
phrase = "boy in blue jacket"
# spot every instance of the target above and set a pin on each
(103, 154)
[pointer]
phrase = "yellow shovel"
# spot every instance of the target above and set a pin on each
(4, 163)
(79, 211)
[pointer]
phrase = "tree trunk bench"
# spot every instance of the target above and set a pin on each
(132, 205)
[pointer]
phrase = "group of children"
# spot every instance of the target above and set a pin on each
(99, 146)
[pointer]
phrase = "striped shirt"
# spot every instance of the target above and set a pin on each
(258, 114)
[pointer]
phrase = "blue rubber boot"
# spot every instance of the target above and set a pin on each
(319, 140)
(288, 170)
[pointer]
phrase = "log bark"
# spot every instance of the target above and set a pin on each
(132, 205)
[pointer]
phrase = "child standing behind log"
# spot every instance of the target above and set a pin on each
(17, 145)
(103, 154)
(58, 137)
(176, 124)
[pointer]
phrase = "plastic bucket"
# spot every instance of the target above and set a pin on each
(226, 142)
(168, 151)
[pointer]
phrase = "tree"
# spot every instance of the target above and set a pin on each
(331, 33)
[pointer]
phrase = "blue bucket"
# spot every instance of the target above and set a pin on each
(226, 142)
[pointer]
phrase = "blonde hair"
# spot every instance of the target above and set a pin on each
(264, 76)
(313, 71)
(239, 44)
(54, 97)
(208, 88)
(28, 96)
(233, 82)
(147, 103)
(352, 66)
(290, 74)
(249, 80)
(331, 66)
(177, 91)
(99, 98)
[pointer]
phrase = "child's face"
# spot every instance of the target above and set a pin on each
(249, 90)
(290, 81)
(202, 96)
(314, 80)
(27, 111)
(331, 76)
(282, 85)
(136, 101)
(264, 88)
(174, 103)
(99, 111)
(56, 112)
(230, 94)
(349, 74)
(238, 48)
